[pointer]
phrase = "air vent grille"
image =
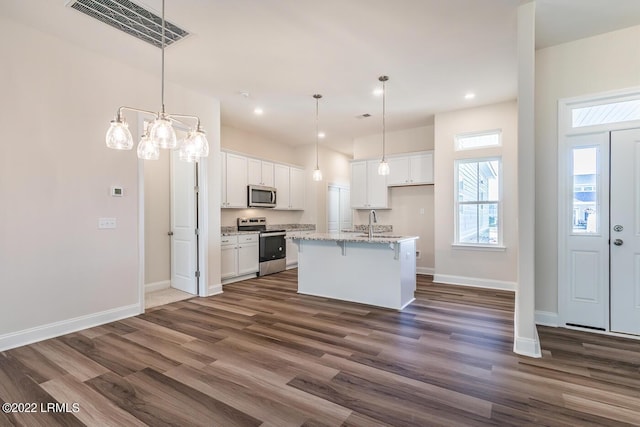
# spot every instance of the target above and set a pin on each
(130, 18)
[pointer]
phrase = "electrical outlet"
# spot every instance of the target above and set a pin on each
(104, 223)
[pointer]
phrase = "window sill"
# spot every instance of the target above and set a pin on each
(492, 248)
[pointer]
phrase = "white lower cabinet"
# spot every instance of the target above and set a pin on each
(240, 256)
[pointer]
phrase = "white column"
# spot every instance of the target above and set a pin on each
(526, 341)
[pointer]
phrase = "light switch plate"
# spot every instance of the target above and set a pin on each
(104, 223)
(117, 191)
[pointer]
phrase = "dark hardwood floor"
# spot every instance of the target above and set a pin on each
(260, 354)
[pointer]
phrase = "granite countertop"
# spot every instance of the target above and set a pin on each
(364, 228)
(233, 230)
(357, 238)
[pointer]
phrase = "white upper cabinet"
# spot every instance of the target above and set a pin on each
(281, 182)
(368, 189)
(296, 189)
(414, 169)
(239, 171)
(260, 172)
(289, 183)
(234, 181)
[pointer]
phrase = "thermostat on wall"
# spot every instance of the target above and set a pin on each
(117, 191)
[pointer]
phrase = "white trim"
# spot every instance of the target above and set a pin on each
(489, 248)
(527, 346)
(474, 282)
(157, 286)
(56, 329)
(215, 289)
(607, 333)
(546, 318)
(203, 227)
(427, 271)
(141, 254)
(238, 278)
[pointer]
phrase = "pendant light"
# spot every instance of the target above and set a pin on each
(383, 167)
(160, 133)
(317, 174)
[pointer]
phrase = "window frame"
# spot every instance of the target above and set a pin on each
(458, 137)
(499, 245)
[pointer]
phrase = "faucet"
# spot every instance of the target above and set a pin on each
(375, 219)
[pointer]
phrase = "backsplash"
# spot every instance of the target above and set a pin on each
(377, 228)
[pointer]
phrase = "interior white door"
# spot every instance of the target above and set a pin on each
(346, 214)
(333, 209)
(183, 225)
(625, 231)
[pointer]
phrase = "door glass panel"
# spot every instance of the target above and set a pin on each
(585, 191)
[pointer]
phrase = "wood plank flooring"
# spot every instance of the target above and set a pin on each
(260, 354)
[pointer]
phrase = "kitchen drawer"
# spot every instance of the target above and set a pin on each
(229, 240)
(248, 238)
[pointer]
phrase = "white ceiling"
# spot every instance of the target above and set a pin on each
(283, 51)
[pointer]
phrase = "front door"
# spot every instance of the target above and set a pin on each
(184, 243)
(624, 231)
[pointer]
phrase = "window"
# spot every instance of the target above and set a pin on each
(614, 112)
(478, 202)
(585, 194)
(469, 141)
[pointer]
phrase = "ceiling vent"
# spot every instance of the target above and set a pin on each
(363, 116)
(131, 18)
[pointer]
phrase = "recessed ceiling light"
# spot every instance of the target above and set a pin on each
(258, 111)
(469, 95)
(321, 135)
(378, 91)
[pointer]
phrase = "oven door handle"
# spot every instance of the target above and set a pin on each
(274, 234)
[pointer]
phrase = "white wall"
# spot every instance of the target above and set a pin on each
(472, 266)
(406, 203)
(596, 64)
(58, 271)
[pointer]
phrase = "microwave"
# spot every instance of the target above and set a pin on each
(261, 197)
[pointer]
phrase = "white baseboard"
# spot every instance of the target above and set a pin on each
(425, 270)
(474, 282)
(51, 330)
(239, 278)
(215, 289)
(527, 346)
(546, 318)
(157, 286)
(292, 266)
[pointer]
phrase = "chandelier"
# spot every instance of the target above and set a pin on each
(160, 133)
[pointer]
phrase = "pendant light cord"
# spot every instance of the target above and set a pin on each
(317, 136)
(162, 75)
(384, 93)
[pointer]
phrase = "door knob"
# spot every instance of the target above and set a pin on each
(170, 233)
(618, 242)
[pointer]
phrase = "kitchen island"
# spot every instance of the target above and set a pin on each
(378, 271)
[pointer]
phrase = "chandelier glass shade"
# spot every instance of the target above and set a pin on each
(383, 167)
(161, 132)
(317, 173)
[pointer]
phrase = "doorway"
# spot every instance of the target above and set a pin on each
(171, 205)
(599, 214)
(339, 214)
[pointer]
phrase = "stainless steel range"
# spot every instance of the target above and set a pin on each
(273, 248)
